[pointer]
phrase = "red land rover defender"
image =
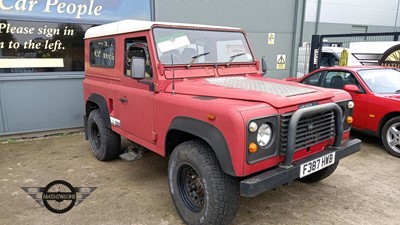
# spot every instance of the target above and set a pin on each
(195, 93)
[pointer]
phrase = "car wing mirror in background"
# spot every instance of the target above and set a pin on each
(351, 88)
(137, 67)
(264, 66)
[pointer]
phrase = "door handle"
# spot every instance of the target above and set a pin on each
(123, 100)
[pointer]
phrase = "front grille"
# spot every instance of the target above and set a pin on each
(310, 130)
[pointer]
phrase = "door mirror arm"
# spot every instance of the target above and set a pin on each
(264, 66)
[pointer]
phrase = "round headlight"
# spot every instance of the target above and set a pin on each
(253, 127)
(350, 104)
(264, 135)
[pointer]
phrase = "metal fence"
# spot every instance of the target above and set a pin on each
(366, 48)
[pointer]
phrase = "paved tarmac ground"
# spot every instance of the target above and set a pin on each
(365, 189)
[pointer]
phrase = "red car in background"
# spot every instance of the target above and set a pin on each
(376, 94)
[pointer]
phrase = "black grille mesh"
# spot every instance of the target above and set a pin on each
(310, 130)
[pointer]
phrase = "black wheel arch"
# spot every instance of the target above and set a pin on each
(384, 120)
(96, 101)
(184, 128)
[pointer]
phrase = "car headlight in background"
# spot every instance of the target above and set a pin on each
(264, 135)
(350, 104)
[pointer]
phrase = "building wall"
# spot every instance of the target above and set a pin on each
(362, 12)
(32, 104)
(256, 17)
(338, 16)
(46, 97)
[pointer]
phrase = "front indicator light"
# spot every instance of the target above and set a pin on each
(252, 148)
(211, 117)
(349, 120)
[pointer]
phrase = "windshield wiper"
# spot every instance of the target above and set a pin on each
(196, 57)
(233, 57)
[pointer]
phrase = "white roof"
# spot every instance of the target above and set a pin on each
(126, 26)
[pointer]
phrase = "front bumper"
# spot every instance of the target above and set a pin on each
(271, 179)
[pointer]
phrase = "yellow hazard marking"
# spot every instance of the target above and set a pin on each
(281, 62)
(271, 38)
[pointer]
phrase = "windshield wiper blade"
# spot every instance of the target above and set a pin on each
(233, 57)
(196, 57)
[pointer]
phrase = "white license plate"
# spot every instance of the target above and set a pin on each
(317, 164)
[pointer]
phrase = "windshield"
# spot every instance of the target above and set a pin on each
(382, 81)
(189, 47)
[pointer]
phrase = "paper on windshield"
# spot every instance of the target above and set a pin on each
(172, 42)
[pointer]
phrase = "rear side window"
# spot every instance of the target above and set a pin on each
(313, 79)
(102, 53)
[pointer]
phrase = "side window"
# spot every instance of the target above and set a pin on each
(102, 53)
(313, 79)
(335, 79)
(351, 79)
(137, 47)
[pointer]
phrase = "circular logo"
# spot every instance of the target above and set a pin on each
(59, 196)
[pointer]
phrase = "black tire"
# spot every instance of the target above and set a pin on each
(320, 175)
(391, 136)
(201, 191)
(105, 143)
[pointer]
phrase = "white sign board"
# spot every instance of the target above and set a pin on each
(316, 56)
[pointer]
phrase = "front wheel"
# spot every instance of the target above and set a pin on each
(201, 191)
(320, 175)
(391, 136)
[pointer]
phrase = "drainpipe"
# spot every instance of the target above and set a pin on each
(397, 15)
(152, 10)
(303, 18)
(297, 35)
(318, 16)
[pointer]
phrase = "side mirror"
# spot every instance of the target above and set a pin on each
(351, 88)
(138, 66)
(264, 66)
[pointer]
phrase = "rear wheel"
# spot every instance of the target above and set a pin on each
(105, 143)
(201, 191)
(320, 175)
(391, 136)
